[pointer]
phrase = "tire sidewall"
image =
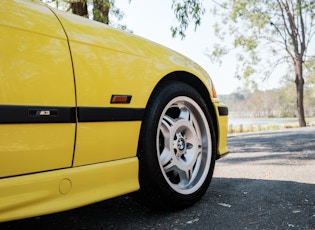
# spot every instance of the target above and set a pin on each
(151, 177)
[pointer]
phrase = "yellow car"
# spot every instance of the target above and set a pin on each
(88, 113)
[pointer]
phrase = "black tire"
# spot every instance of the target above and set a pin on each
(177, 148)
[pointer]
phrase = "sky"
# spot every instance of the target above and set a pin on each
(153, 19)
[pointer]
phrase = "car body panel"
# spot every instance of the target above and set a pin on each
(95, 85)
(31, 48)
(101, 44)
(35, 70)
(96, 82)
(96, 144)
(222, 123)
(28, 148)
(222, 140)
(70, 144)
(59, 190)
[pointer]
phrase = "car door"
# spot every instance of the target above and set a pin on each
(106, 68)
(37, 95)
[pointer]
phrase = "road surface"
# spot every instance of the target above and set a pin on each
(266, 182)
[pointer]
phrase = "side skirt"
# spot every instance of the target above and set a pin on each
(60, 190)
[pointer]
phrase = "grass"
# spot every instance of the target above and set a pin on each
(273, 125)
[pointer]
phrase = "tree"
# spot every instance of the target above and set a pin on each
(102, 10)
(283, 29)
(79, 7)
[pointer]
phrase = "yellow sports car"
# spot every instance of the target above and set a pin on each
(88, 113)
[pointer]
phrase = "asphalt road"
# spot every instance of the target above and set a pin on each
(266, 182)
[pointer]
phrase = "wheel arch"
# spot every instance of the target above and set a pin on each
(197, 84)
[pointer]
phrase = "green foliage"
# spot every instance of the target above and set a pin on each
(217, 53)
(310, 69)
(275, 31)
(101, 10)
(186, 10)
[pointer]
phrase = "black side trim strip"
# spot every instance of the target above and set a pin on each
(15, 114)
(94, 114)
(223, 111)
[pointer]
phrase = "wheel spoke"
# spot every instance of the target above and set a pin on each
(188, 175)
(183, 145)
(167, 126)
(184, 177)
(196, 167)
(166, 159)
(167, 155)
(184, 114)
(176, 155)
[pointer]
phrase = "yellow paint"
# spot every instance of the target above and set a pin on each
(38, 194)
(108, 61)
(65, 186)
(35, 64)
(101, 77)
(36, 69)
(105, 141)
(27, 148)
(222, 135)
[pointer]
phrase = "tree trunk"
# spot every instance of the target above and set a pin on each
(299, 82)
(79, 8)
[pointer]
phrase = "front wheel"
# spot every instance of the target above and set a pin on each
(177, 148)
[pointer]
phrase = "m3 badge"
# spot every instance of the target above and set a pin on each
(43, 112)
